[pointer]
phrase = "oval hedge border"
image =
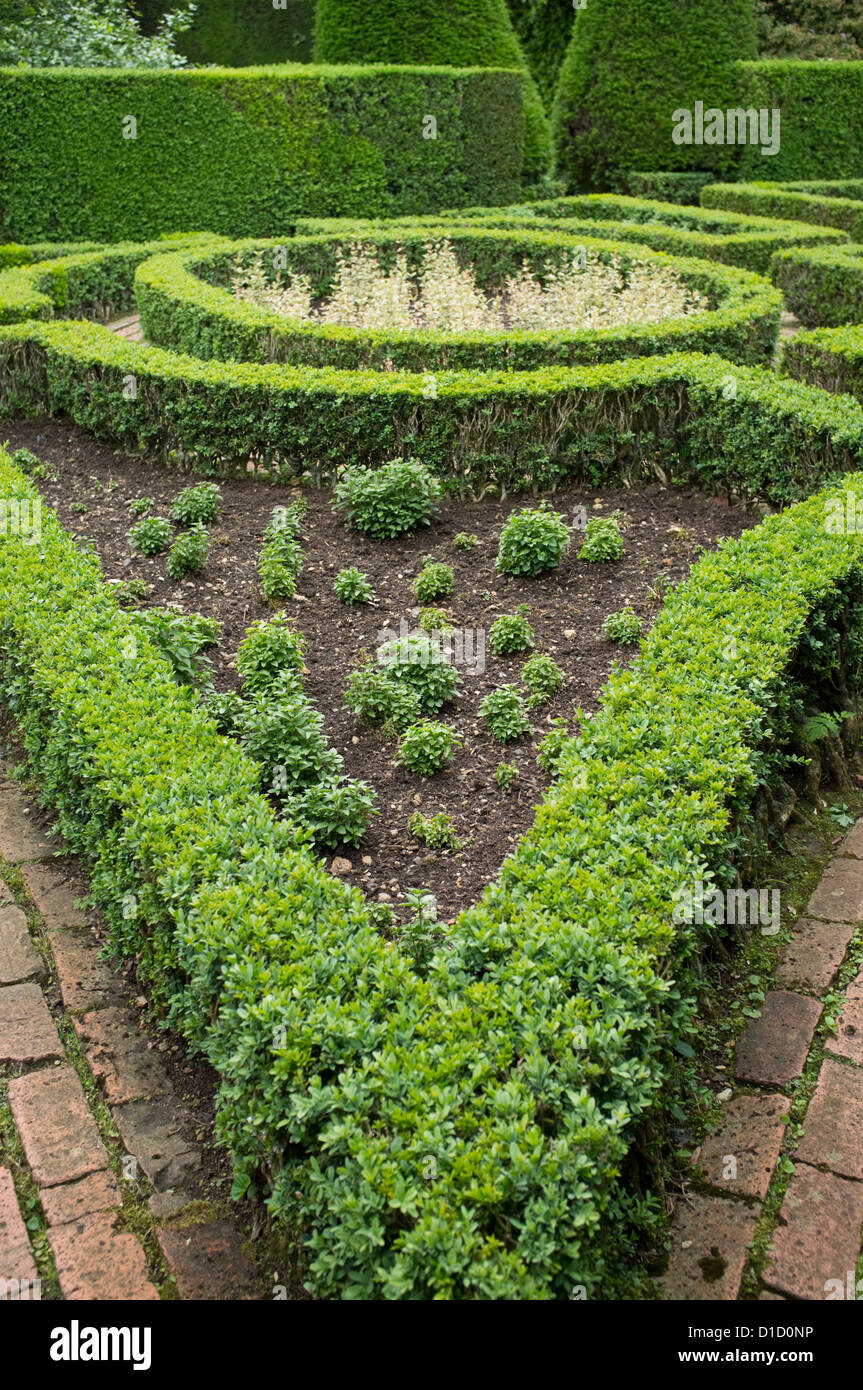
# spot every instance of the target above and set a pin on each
(180, 310)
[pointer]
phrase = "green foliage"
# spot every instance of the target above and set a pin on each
(418, 936)
(131, 591)
(237, 33)
(464, 31)
(437, 831)
(829, 97)
(374, 697)
(464, 541)
(629, 65)
(28, 462)
(810, 203)
(822, 287)
(506, 775)
(91, 34)
(181, 638)
(624, 627)
(544, 28)
(250, 150)
(419, 663)
(352, 586)
(504, 713)
(809, 29)
(543, 678)
(270, 649)
(426, 748)
(552, 748)
(150, 536)
(224, 708)
(435, 580)
(197, 504)
(511, 633)
(387, 501)
(602, 540)
(335, 811)
(435, 620)
(282, 556)
(532, 542)
(139, 506)
(188, 554)
(283, 732)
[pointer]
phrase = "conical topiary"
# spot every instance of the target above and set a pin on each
(629, 66)
(459, 33)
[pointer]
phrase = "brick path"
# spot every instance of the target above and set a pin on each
(101, 1192)
(128, 327)
(810, 1208)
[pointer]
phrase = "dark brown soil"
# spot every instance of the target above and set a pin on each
(666, 531)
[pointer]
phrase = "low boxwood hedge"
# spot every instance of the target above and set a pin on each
(780, 200)
(180, 310)
(821, 285)
(831, 358)
(689, 413)
(461, 1135)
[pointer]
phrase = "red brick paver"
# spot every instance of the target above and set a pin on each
(774, 1047)
(96, 1261)
(833, 1128)
(709, 1248)
(72, 1200)
(20, 962)
(839, 895)
(849, 1040)
(814, 954)
(818, 1238)
(740, 1155)
(208, 1262)
(27, 1031)
(16, 1261)
(60, 1137)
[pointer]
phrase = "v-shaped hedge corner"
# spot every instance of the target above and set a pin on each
(463, 1135)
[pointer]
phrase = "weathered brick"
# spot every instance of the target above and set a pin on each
(849, 1041)
(774, 1047)
(118, 1055)
(751, 1135)
(19, 960)
(839, 895)
(814, 954)
(55, 890)
(86, 978)
(709, 1247)
(208, 1262)
(152, 1131)
(60, 1136)
(96, 1261)
(16, 1261)
(73, 1200)
(818, 1236)
(833, 1126)
(853, 842)
(27, 1030)
(21, 834)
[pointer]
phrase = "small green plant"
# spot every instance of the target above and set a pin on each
(427, 747)
(281, 729)
(512, 633)
(841, 816)
(188, 554)
(506, 775)
(335, 811)
(602, 540)
(375, 698)
(437, 831)
(435, 620)
(224, 708)
(198, 504)
(624, 627)
(139, 506)
(181, 638)
(387, 501)
(504, 714)
(463, 541)
(658, 591)
(130, 591)
(420, 663)
(532, 542)
(33, 466)
(418, 935)
(352, 586)
(543, 678)
(270, 649)
(435, 580)
(150, 536)
(282, 556)
(551, 749)
(824, 724)
(79, 508)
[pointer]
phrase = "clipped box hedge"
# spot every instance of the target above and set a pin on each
(777, 200)
(181, 308)
(515, 429)
(821, 285)
(462, 1136)
(822, 118)
(831, 358)
(241, 150)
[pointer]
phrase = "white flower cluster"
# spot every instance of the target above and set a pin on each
(582, 293)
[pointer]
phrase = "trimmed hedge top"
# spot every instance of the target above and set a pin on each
(115, 155)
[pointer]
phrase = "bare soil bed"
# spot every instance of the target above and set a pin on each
(92, 484)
